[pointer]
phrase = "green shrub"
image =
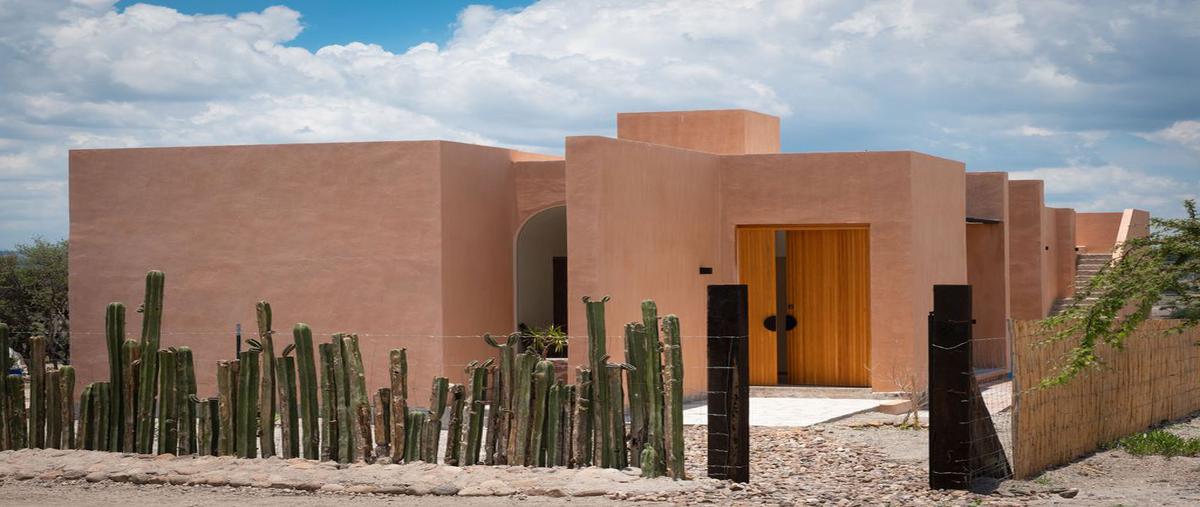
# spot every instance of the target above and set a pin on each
(1159, 443)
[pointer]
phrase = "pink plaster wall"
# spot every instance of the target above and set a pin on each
(539, 185)
(344, 237)
(1064, 252)
(725, 132)
(641, 221)
(1025, 249)
(1097, 232)
(889, 191)
(987, 267)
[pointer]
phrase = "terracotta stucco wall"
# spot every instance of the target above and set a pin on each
(1135, 223)
(539, 185)
(725, 132)
(1064, 252)
(1097, 232)
(861, 188)
(1025, 203)
(641, 220)
(987, 266)
(939, 240)
(344, 237)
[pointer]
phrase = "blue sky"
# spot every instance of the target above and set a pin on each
(1098, 98)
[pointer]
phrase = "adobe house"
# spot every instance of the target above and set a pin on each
(428, 244)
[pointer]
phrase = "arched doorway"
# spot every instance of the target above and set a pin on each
(541, 271)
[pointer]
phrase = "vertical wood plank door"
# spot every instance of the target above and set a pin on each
(756, 269)
(829, 295)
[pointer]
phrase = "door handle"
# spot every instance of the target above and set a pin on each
(769, 323)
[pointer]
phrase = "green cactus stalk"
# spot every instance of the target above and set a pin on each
(130, 363)
(226, 387)
(67, 405)
(383, 422)
(306, 376)
(54, 409)
(597, 358)
(619, 458)
(673, 395)
(453, 443)
(16, 403)
(329, 403)
(114, 338)
(649, 456)
(398, 375)
(652, 356)
(432, 430)
(416, 421)
(472, 439)
(522, 403)
(151, 310)
(5, 412)
(567, 425)
(581, 445)
(83, 439)
(266, 397)
(168, 408)
(553, 412)
(246, 432)
(285, 383)
(543, 377)
(37, 392)
(95, 431)
(103, 398)
(360, 403)
(493, 417)
(635, 355)
(504, 427)
(185, 394)
(204, 428)
(345, 445)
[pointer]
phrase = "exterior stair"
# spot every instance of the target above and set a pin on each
(1086, 267)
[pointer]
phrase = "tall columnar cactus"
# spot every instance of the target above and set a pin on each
(285, 383)
(151, 309)
(522, 403)
(266, 397)
(103, 398)
(54, 409)
(329, 403)
(306, 376)
(567, 425)
(360, 403)
(398, 376)
(37, 392)
(130, 363)
(472, 438)
(601, 399)
(652, 355)
(168, 407)
(493, 417)
(226, 388)
(185, 396)
(246, 432)
(114, 338)
(673, 415)
(454, 429)
(543, 378)
(205, 429)
(5, 411)
(341, 383)
(383, 422)
(581, 446)
(553, 416)
(616, 409)
(16, 413)
(412, 442)
(84, 439)
(433, 425)
(635, 356)
(67, 414)
(503, 405)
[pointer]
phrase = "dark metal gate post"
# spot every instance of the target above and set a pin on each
(728, 383)
(950, 387)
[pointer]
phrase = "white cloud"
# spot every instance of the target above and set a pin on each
(1184, 133)
(1110, 187)
(868, 74)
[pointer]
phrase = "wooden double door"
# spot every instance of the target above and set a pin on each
(809, 303)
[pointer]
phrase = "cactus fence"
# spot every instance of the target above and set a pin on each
(149, 402)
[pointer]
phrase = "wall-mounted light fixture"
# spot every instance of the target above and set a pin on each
(705, 270)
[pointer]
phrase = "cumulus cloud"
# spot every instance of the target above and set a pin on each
(1184, 133)
(1000, 85)
(1110, 187)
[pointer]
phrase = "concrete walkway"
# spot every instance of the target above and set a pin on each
(790, 411)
